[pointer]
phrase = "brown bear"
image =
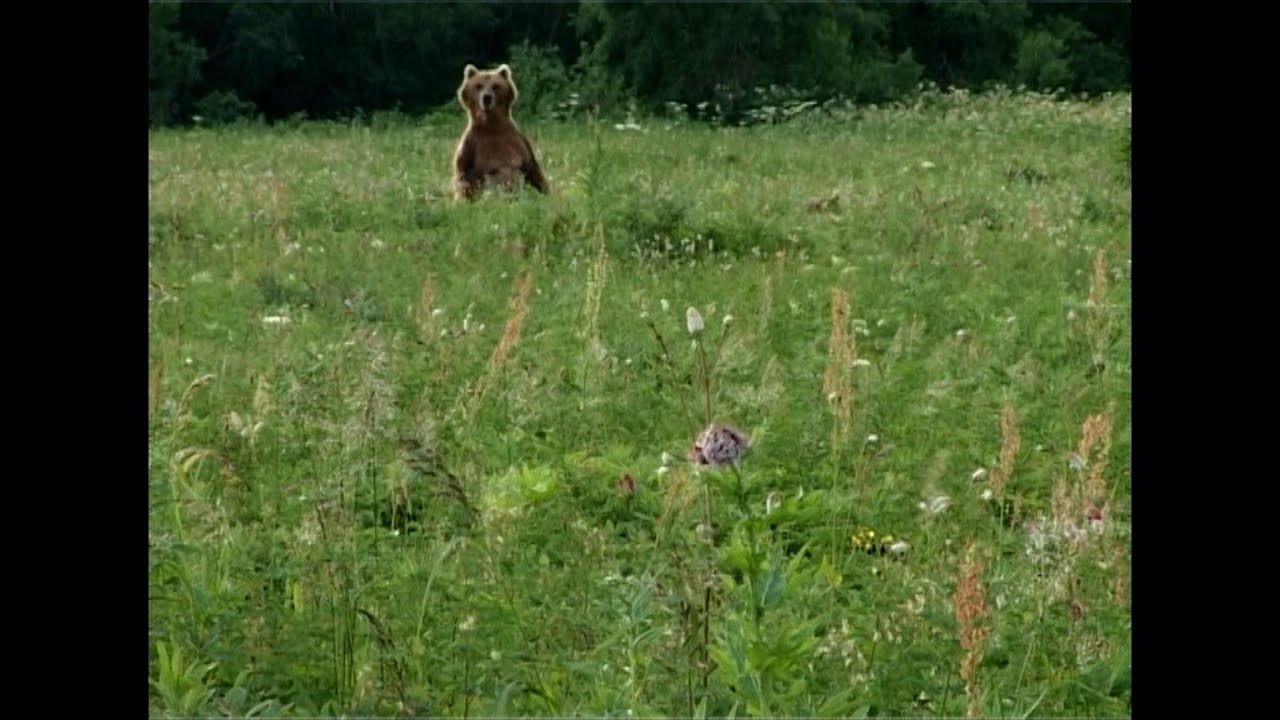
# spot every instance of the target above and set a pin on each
(492, 150)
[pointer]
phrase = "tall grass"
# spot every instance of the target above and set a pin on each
(418, 458)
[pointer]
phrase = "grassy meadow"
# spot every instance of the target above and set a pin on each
(412, 457)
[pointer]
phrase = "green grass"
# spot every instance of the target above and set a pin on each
(366, 500)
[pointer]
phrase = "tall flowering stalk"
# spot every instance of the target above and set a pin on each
(970, 605)
(693, 321)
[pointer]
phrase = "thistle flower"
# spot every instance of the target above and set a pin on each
(719, 445)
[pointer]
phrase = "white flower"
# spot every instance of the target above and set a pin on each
(276, 320)
(978, 474)
(987, 494)
(727, 319)
(927, 165)
(693, 320)
(899, 547)
(861, 362)
(936, 505)
(667, 459)
(665, 305)
(873, 438)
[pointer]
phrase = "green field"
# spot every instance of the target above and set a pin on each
(415, 457)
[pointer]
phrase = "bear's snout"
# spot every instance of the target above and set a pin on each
(486, 100)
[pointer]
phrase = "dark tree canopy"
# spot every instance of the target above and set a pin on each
(338, 59)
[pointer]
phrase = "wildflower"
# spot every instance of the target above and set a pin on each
(693, 320)
(719, 445)
(873, 438)
(772, 502)
(1096, 517)
(978, 474)
(861, 362)
(727, 319)
(936, 505)
(867, 541)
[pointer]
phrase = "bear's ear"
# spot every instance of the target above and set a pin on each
(505, 71)
(469, 71)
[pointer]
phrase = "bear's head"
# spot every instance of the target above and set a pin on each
(487, 91)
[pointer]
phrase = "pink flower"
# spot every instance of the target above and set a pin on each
(719, 445)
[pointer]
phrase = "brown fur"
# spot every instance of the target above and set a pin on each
(493, 149)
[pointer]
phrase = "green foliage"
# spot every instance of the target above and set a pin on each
(1124, 153)
(174, 65)
(1042, 62)
(222, 106)
(344, 60)
(550, 89)
(410, 457)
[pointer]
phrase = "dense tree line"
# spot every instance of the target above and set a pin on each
(335, 59)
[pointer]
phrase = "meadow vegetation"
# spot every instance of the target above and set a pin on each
(412, 457)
